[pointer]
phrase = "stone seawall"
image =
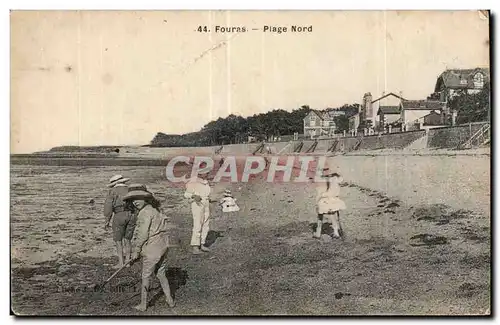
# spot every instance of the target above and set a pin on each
(461, 181)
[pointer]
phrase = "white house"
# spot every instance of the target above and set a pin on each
(413, 112)
(369, 110)
(318, 123)
(452, 82)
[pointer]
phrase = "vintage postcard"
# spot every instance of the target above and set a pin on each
(251, 163)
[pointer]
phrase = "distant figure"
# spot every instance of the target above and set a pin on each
(328, 203)
(152, 243)
(123, 224)
(266, 160)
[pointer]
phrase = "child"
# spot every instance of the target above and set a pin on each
(328, 203)
(228, 203)
(152, 243)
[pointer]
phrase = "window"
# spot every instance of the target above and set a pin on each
(326, 123)
(312, 119)
(478, 80)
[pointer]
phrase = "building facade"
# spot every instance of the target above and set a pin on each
(433, 119)
(317, 123)
(354, 122)
(369, 111)
(413, 112)
(452, 82)
(389, 102)
(388, 115)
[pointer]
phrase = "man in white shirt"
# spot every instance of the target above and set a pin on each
(198, 193)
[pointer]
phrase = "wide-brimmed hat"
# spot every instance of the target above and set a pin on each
(117, 179)
(330, 167)
(138, 195)
(227, 193)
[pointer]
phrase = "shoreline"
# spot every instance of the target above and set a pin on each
(161, 158)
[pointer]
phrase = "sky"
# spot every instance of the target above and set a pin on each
(119, 77)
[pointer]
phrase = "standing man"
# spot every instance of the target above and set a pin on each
(267, 154)
(198, 193)
(123, 216)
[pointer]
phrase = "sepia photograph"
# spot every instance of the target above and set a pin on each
(250, 163)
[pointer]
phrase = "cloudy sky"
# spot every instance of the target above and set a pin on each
(96, 77)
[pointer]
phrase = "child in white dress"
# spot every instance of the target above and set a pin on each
(328, 203)
(228, 203)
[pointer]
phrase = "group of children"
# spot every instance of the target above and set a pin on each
(135, 207)
(133, 212)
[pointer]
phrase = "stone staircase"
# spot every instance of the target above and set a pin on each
(286, 149)
(480, 138)
(420, 143)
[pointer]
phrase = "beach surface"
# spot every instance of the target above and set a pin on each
(417, 243)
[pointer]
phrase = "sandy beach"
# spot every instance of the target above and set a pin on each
(403, 254)
(400, 100)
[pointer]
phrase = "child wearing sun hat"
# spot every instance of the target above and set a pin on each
(328, 202)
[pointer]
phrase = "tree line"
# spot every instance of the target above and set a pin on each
(237, 129)
(472, 107)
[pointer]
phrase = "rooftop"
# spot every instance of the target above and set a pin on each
(386, 95)
(422, 104)
(389, 110)
(460, 78)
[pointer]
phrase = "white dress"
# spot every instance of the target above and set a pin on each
(327, 198)
(228, 204)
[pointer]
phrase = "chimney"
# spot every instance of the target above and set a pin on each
(369, 108)
(362, 107)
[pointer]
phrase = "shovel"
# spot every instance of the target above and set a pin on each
(99, 287)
